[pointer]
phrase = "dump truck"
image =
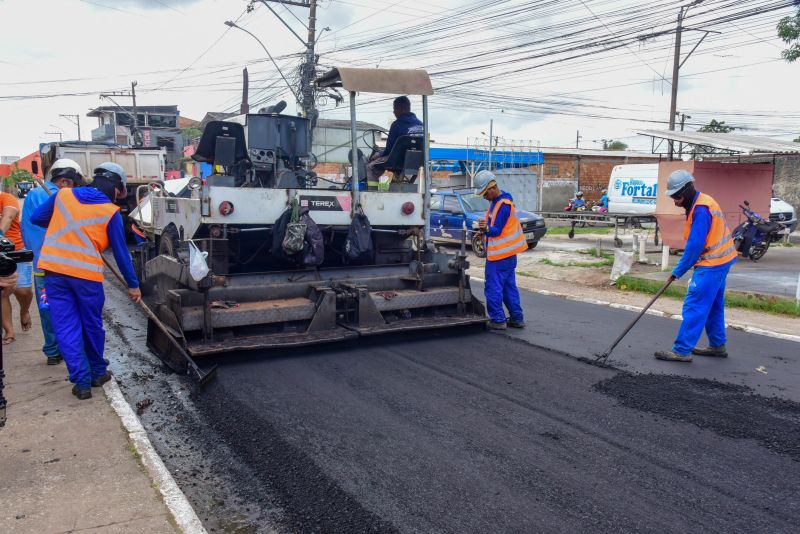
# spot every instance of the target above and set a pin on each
(143, 165)
(254, 295)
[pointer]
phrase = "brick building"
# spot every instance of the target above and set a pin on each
(587, 170)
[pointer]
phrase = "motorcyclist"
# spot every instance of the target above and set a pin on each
(603, 202)
(578, 201)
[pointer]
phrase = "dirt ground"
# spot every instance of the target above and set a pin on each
(593, 283)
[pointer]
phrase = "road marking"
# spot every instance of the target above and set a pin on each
(657, 313)
(175, 500)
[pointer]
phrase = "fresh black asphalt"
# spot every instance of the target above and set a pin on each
(472, 431)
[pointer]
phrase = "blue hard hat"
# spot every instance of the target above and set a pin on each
(677, 181)
(483, 181)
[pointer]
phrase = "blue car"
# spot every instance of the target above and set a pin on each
(451, 209)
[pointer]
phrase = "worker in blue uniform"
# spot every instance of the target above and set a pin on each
(504, 240)
(711, 251)
(63, 173)
(81, 223)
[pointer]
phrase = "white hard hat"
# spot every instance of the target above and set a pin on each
(483, 181)
(677, 180)
(114, 168)
(579, 194)
(65, 168)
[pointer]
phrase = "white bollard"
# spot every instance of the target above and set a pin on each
(635, 243)
(597, 248)
(642, 251)
(664, 258)
(797, 291)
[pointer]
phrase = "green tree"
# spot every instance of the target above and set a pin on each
(789, 32)
(191, 133)
(610, 144)
(797, 139)
(16, 175)
(717, 127)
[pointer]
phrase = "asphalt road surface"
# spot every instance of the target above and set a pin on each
(472, 431)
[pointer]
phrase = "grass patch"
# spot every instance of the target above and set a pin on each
(605, 262)
(564, 230)
(769, 304)
(593, 252)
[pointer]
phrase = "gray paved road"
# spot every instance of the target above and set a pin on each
(482, 432)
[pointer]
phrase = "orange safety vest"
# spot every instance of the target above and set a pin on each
(511, 240)
(75, 237)
(719, 248)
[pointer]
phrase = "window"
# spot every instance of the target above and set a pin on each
(123, 119)
(436, 202)
(161, 121)
(551, 169)
(452, 205)
(166, 142)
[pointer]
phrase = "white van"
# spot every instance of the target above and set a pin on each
(632, 189)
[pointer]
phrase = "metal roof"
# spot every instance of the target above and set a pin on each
(386, 81)
(167, 110)
(340, 124)
(747, 144)
(596, 152)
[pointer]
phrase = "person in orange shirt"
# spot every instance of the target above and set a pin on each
(9, 225)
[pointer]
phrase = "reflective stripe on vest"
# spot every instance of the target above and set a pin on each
(511, 240)
(75, 237)
(719, 247)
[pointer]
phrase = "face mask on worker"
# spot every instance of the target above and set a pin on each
(685, 197)
(110, 185)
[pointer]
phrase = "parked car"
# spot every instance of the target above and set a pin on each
(23, 188)
(783, 212)
(451, 209)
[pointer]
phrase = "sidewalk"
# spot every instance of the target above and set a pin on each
(67, 465)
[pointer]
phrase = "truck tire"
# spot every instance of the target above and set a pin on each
(168, 242)
(478, 244)
(532, 244)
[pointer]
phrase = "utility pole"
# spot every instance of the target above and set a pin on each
(675, 72)
(308, 68)
(676, 67)
(60, 137)
(135, 132)
(684, 116)
(134, 116)
(491, 131)
(77, 121)
(578, 139)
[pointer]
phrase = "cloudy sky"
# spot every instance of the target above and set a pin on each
(542, 70)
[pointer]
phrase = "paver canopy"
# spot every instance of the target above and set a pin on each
(387, 81)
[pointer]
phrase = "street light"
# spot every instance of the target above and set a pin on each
(232, 24)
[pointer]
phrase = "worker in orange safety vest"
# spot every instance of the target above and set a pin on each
(504, 240)
(81, 223)
(711, 252)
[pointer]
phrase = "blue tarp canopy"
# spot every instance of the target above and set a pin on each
(452, 158)
(479, 156)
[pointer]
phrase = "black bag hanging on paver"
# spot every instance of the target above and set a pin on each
(358, 245)
(278, 233)
(314, 248)
(295, 235)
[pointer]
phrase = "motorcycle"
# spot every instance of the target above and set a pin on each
(753, 237)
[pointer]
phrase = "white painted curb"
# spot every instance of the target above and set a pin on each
(657, 313)
(176, 501)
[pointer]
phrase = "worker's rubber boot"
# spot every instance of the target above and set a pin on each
(670, 356)
(54, 360)
(82, 394)
(98, 382)
(515, 324)
(716, 352)
(496, 326)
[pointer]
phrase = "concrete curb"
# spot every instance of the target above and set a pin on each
(657, 313)
(177, 503)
